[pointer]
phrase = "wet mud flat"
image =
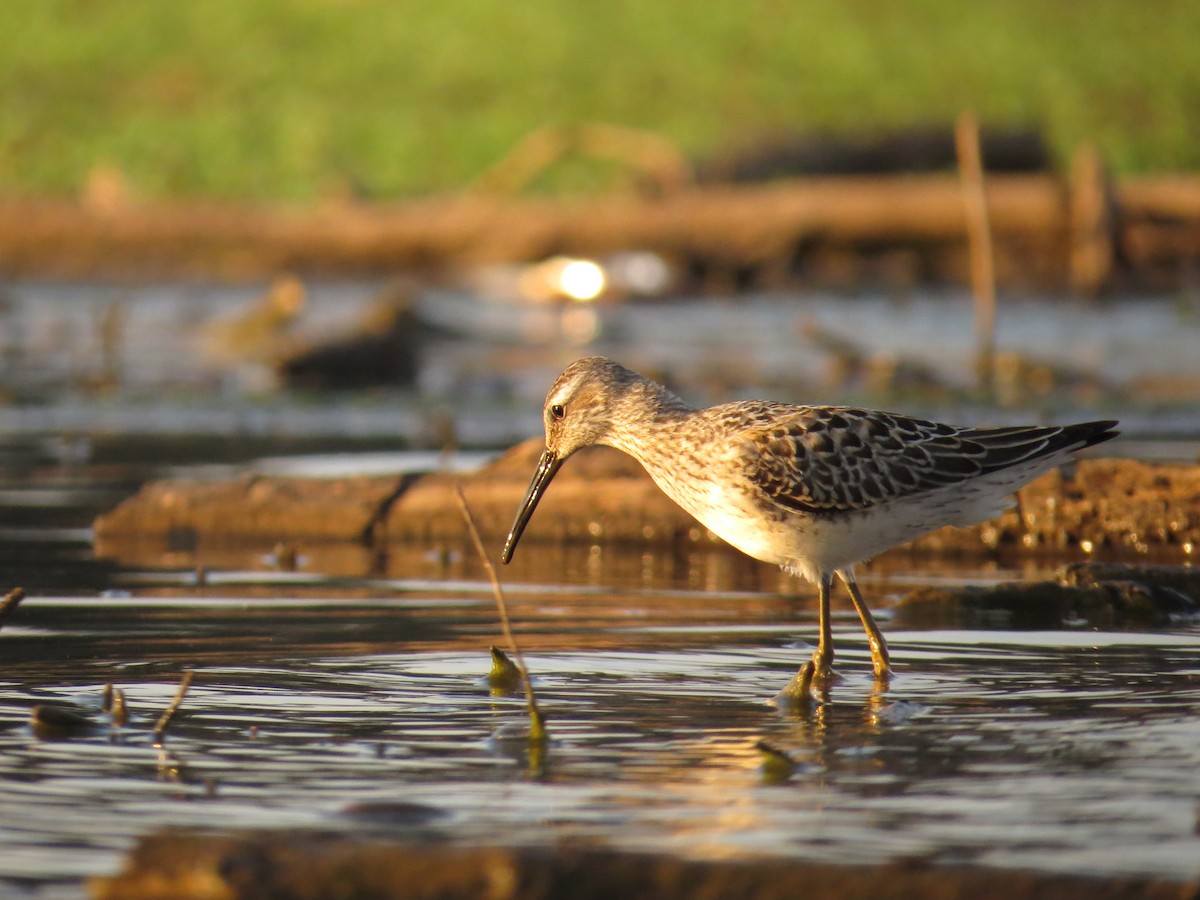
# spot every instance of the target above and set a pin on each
(303, 865)
(603, 496)
(1101, 509)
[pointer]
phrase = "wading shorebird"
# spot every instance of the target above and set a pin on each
(814, 489)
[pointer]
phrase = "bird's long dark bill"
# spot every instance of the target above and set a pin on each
(548, 465)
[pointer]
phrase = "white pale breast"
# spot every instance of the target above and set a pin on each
(731, 514)
(811, 545)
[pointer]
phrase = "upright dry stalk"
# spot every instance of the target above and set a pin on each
(979, 243)
(537, 729)
(1093, 226)
(160, 727)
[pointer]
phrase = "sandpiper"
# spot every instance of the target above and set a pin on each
(814, 489)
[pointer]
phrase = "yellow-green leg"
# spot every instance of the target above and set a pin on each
(879, 651)
(823, 656)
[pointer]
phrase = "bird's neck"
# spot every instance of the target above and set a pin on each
(640, 418)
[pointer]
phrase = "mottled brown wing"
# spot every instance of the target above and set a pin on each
(831, 459)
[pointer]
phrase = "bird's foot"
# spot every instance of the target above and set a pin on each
(823, 674)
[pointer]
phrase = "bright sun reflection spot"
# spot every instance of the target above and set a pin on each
(563, 278)
(581, 279)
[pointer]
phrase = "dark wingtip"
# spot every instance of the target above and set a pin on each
(1084, 434)
(1092, 433)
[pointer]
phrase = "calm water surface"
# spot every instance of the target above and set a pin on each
(348, 695)
(361, 707)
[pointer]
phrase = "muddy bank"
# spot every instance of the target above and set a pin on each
(1106, 506)
(304, 864)
(602, 496)
(1101, 506)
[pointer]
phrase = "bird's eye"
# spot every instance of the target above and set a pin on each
(557, 411)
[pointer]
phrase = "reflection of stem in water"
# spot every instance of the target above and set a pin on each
(537, 727)
(776, 766)
(164, 720)
(110, 329)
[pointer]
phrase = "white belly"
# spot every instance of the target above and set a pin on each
(812, 545)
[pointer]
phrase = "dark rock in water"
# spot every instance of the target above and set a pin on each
(383, 351)
(59, 723)
(1175, 584)
(392, 814)
(1033, 605)
(1099, 595)
(1157, 591)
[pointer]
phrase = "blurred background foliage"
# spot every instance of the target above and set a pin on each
(297, 100)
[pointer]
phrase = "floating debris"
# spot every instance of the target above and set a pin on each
(10, 602)
(898, 712)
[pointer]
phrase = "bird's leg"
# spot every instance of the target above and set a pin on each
(823, 656)
(879, 650)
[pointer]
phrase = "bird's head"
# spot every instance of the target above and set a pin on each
(577, 413)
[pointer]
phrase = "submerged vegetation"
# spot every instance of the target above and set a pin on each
(274, 100)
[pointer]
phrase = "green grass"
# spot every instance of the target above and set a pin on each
(294, 99)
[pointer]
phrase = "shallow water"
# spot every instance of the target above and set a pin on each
(347, 695)
(159, 359)
(1064, 750)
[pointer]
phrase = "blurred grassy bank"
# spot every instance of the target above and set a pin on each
(298, 99)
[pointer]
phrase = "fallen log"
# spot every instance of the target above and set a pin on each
(819, 229)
